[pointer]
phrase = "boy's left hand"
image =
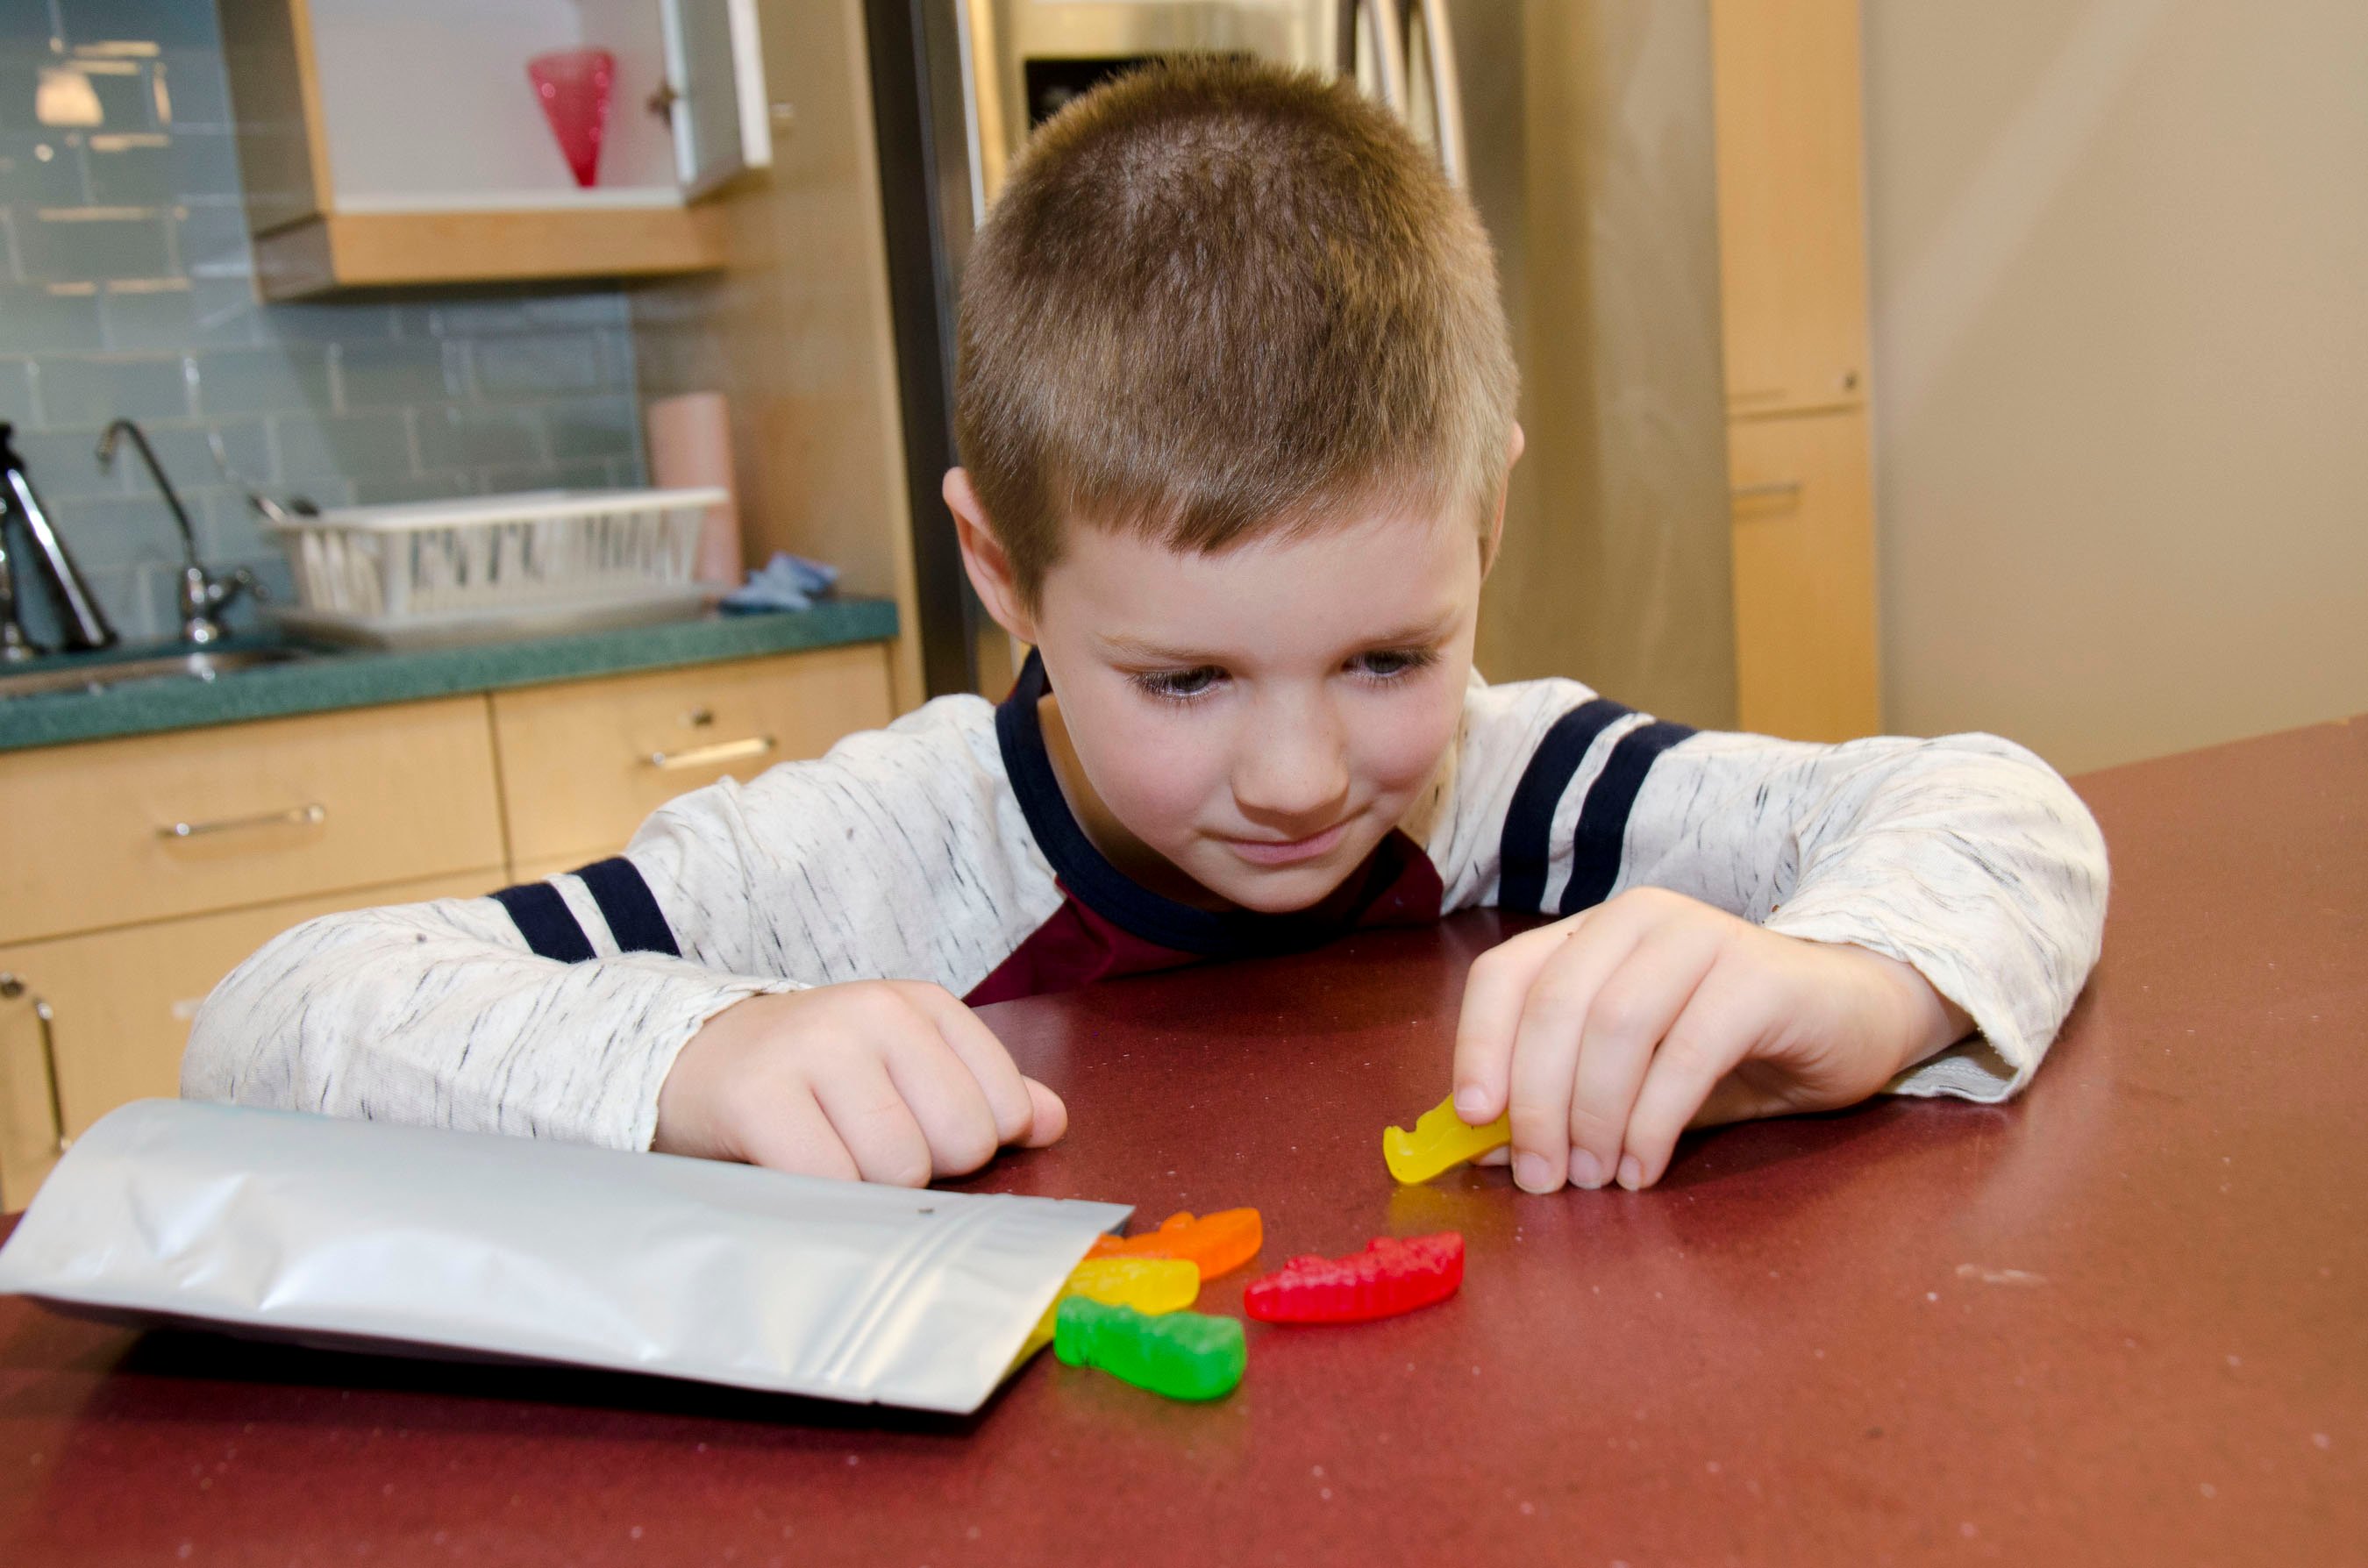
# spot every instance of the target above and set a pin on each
(1614, 1031)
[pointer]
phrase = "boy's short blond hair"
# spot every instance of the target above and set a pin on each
(1218, 299)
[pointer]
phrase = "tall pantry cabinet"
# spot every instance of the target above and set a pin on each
(1793, 301)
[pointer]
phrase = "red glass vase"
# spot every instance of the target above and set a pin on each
(573, 87)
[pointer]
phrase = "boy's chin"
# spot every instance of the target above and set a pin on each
(1283, 891)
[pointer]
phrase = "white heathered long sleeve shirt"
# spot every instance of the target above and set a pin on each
(941, 848)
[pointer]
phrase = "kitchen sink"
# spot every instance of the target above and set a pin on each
(95, 673)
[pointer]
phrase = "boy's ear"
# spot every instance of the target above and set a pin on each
(983, 558)
(1515, 445)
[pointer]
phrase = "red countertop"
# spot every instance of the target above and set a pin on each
(2122, 1319)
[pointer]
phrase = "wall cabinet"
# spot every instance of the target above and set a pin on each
(1804, 575)
(385, 144)
(1791, 203)
(1793, 309)
(116, 922)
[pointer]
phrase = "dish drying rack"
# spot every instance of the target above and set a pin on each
(491, 566)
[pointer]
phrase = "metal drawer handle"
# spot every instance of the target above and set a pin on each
(310, 814)
(1777, 490)
(704, 756)
(11, 987)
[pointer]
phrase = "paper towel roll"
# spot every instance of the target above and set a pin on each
(690, 444)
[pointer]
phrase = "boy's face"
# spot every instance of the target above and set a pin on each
(1259, 719)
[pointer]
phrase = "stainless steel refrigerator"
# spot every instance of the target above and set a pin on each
(1581, 129)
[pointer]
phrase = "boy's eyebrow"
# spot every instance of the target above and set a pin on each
(1126, 647)
(1136, 648)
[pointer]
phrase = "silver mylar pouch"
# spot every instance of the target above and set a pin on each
(284, 1225)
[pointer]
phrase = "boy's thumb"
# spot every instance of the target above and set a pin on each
(1048, 1117)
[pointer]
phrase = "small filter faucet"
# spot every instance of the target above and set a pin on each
(198, 593)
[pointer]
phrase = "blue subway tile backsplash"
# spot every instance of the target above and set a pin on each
(126, 288)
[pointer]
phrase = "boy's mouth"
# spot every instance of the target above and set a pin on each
(1287, 851)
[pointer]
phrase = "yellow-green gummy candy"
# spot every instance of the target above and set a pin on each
(1182, 1355)
(1439, 1139)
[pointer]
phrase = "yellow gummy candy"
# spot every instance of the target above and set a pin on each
(1440, 1140)
(1149, 1285)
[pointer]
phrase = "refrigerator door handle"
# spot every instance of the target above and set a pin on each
(1387, 29)
(1446, 87)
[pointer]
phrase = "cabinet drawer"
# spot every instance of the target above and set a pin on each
(269, 811)
(583, 763)
(121, 1003)
(1804, 602)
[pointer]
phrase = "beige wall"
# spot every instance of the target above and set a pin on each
(2120, 266)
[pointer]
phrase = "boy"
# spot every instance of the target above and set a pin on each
(1236, 402)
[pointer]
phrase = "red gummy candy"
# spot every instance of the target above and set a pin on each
(1388, 1277)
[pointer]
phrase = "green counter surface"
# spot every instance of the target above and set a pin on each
(360, 677)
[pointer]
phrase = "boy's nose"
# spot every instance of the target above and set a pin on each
(1292, 776)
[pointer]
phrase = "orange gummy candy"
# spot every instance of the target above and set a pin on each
(1219, 1243)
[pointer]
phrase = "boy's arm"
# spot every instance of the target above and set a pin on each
(441, 1015)
(1965, 858)
(559, 1009)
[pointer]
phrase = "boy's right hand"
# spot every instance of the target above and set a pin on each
(889, 1080)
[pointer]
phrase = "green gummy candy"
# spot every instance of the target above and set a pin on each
(1182, 1355)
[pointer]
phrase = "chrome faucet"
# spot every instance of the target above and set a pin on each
(83, 623)
(199, 593)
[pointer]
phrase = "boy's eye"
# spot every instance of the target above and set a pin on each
(1179, 686)
(1388, 664)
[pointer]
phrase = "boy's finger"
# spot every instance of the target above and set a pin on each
(1633, 1009)
(998, 1077)
(1716, 1032)
(1051, 1117)
(873, 1121)
(945, 1099)
(796, 1137)
(1545, 1048)
(1493, 994)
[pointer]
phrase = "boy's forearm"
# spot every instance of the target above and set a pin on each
(1927, 1022)
(423, 1014)
(1964, 859)
(1974, 865)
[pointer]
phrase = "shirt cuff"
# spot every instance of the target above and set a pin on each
(1992, 1064)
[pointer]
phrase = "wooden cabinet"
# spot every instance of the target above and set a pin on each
(386, 144)
(1804, 575)
(1792, 225)
(1793, 290)
(119, 1005)
(583, 763)
(117, 832)
(115, 926)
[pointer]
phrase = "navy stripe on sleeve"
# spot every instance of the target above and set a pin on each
(627, 905)
(1603, 821)
(1529, 822)
(543, 919)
